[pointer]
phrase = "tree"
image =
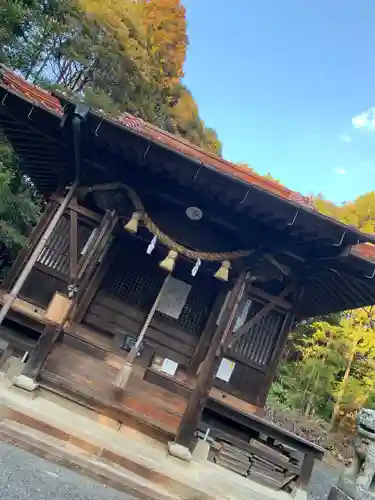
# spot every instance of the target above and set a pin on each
(359, 213)
(115, 55)
(165, 25)
(19, 207)
(330, 370)
(120, 54)
(355, 384)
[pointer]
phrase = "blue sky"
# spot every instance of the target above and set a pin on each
(289, 87)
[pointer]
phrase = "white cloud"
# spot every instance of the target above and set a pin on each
(365, 119)
(345, 138)
(340, 171)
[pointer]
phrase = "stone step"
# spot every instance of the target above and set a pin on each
(75, 458)
(82, 444)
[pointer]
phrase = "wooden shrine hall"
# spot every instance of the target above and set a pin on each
(161, 281)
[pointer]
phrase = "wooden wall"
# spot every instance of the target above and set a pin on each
(114, 317)
(255, 355)
(128, 291)
(87, 374)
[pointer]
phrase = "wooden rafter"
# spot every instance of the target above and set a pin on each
(257, 292)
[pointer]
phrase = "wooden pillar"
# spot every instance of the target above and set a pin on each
(302, 486)
(274, 361)
(38, 356)
(51, 332)
(73, 246)
(208, 332)
(90, 291)
(197, 401)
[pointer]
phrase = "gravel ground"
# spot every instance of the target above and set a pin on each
(324, 476)
(26, 477)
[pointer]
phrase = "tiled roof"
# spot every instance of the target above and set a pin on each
(52, 103)
(365, 251)
(45, 99)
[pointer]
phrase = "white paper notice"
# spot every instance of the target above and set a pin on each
(225, 369)
(169, 367)
(240, 320)
(174, 298)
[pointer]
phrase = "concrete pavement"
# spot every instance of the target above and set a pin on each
(25, 476)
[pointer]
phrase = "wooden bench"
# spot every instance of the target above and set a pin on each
(266, 443)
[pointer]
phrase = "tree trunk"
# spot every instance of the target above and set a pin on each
(344, 383)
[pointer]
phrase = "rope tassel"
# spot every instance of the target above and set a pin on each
(168, 264)
(195, 269)
(151, 246)
(132, 225)
(223, 273)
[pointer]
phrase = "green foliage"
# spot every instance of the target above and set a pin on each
(359, 213)
(117, 55)
(331, 371)
(19, 207)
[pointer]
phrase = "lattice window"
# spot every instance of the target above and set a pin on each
(136, 278)
(258, 344)
(56, 254)
(135, 288)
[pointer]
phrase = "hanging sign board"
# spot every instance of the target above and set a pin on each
(225, 369)
(242, 314)
(174, 298)
(169, 367)
(242, 317)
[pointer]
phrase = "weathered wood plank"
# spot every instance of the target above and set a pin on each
(84, 347)
(267, 428)
(88, 373)
(279, 460)
(73, 246)
(306, 471)
(90, 336)
(257, 292)
(165, 352)
(41, 351)
(121, 324)
(89, 294)
(122, 308)
(208, 331)
(80, 209)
